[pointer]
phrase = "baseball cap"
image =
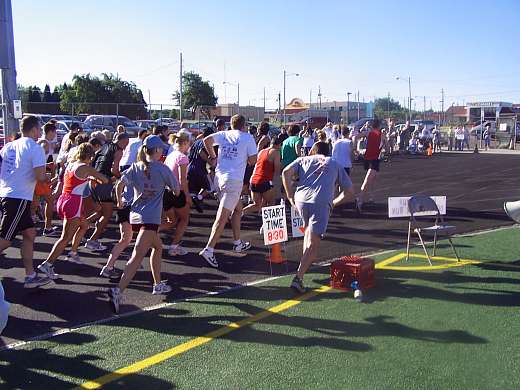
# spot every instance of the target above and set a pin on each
(154, 142)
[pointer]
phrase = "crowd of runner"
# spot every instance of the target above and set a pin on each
(152, 182)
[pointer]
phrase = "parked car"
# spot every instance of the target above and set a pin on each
(63, 127)
(146, 124)
(110, 122)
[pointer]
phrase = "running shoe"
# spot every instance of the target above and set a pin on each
(197, 203)
(177, 251)
(110, 273)
(74, 257)
(114, 294)
(54, 232)
(209, 257)
(36, 281)
(242, 246)
(48, 270)
(297, 285)
(161, 288)
(359, 206)
(95, 245)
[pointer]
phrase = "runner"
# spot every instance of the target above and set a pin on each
(343, 152)
(23, 164)
(318, 176)
(198, 181)
(130, 152)
(266, 168)
(147, 178)
(178, 207)
(373, 151)
(237, 148)
(70, 207)
(308, 139)
(263, 136)
(291, 147)
(106, 162)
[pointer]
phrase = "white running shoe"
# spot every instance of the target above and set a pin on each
(48, 270)
(36, 281)
(242, 246)
(74, 257)
(177, 251)
(161, 288)
(95, 245)
(209, 257)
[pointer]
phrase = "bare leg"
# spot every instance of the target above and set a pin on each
(367, 183)
(218, 226)
(310, 250)
(255, 206)
(156, 258)
(27, 249)
(235, 221)
(78, 236)
(101, 224)
(144, 241)
(49, 210)
(182, 217)
(69, 229)
(125, 230)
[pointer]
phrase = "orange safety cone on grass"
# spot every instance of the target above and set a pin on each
(275, 254)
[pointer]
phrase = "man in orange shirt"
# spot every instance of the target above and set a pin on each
(373, 150)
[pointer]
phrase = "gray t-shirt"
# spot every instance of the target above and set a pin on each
(317, 179)
(147, 204)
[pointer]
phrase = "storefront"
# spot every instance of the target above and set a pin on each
(490, 111)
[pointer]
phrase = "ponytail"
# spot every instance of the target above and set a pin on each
(143, 157)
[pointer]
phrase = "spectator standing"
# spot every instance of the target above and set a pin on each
(436, 139)
(451, 138)
(486, 136)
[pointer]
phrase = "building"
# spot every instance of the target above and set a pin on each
(489, 110)
(251, 113)
(356, 110)
(456, 115)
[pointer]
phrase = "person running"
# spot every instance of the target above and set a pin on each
(23, 164)
(106, 162)
(129, 155)
(237, 148)
(343, 152)
(318, 177)
(371, 163)
(291, 147)
(178, 208)
(308, 136)
(197, 175)
(70, 207)
(263, 136)
(266, 168)
(148, 177)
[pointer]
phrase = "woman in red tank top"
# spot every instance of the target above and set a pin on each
(267, 166)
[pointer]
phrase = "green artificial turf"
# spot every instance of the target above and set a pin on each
(453, 328)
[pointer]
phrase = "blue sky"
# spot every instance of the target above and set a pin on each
(469, 48)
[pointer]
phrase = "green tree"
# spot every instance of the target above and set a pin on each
(196, 93)
(47, 96)
(387, 107)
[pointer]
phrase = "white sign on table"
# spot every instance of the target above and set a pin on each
(274, 224)
(296, 223)
(398, 206)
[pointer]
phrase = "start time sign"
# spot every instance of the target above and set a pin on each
(274, 224)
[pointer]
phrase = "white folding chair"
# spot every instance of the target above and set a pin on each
(423, 203)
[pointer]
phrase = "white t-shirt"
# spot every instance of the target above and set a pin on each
(331, 134)
(235, 147)
(130, 152)
(19, 158)
(341, 152)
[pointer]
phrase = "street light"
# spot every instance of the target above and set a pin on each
(348, 107)
(285, 74)
(238, 92)
(410, 94)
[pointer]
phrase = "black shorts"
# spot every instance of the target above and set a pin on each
(261, 187)
(170, 200)
(102, 193)
(145, 226)
(372, 164)
(198, 181)
(16, 217)
(123, 215)
(248, 173)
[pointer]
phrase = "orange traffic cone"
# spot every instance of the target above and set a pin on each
(429, 151)
(275, 255)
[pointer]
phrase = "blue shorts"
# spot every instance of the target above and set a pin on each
(315, 216)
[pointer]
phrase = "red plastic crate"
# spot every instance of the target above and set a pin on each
(346, 269)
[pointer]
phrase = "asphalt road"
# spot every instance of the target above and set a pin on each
(476, 185)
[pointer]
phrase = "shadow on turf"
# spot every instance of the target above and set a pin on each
(41, 368)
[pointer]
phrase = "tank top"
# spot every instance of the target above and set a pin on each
(264, 169)
(72, 184)
(373, 145)
(104, 159)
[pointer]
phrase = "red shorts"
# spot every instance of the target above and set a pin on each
(145, 226)
(70, 206)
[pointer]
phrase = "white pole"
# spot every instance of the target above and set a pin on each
(180, 91)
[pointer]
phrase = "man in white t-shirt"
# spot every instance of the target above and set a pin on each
(23, 163)
(342, 151)
(237, 148)
(130, 152)
(331, 134)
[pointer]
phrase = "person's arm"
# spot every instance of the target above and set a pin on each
(208, 145)
(288, 183)
(39, 174)
(277, 163)
(88, 171)
(183, 174)
(115, 166)
(121, 184)
(204, 155)
(298, 148)
(251, 152)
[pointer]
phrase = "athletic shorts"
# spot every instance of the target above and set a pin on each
(372, 164)
(229, 193)
(16, 217)
(69, 206)
(261, 187)
(170, 200)
(198, 181)
(123, 215)
(102, 193)
(315, 216)
(145, 226)
(248, 173)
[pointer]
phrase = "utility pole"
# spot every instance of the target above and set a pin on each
(319, 97)
(180, 91)
(310, 99)
(358, 105)
(284, 104)
(388, 105)
(443, 118)
(279, 103)
(263, 115)
(348, 107)
(424, 108)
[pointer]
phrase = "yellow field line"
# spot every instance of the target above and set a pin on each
(196, 342)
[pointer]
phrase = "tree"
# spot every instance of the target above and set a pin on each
(196, 93)
(47, 96)
(387, 107)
